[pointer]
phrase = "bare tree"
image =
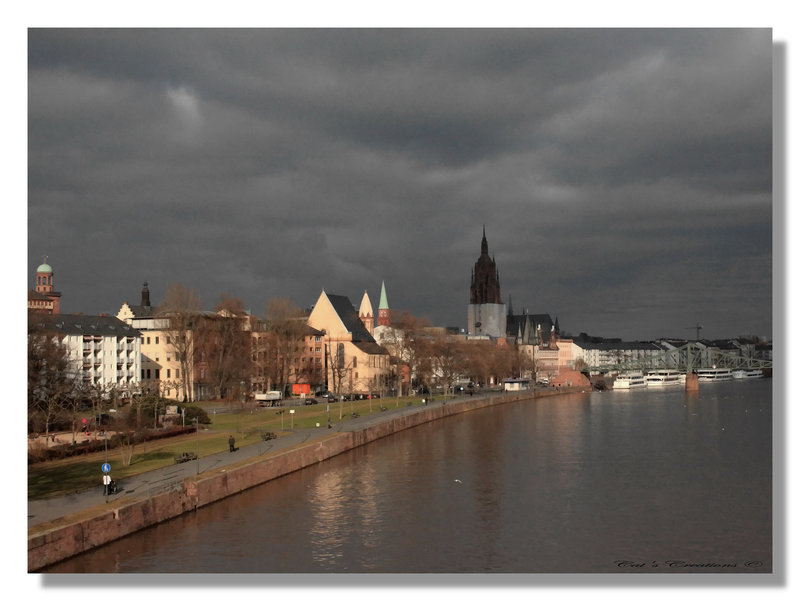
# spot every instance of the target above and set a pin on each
(448, 359)
(285, 327)
(180, 311)
(51, 376)
(408, 345)
(222, 345)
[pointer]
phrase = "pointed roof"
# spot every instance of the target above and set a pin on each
(384, 304)
(366, 307)
(347, 315)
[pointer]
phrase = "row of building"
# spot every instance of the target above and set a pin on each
(335, 346)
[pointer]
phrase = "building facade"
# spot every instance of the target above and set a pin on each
(354, 361)
(103, 352)
(486, 314)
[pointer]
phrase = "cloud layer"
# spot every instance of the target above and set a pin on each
(623, 176)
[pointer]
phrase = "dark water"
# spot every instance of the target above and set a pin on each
(569, 484)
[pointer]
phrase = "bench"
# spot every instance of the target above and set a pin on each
(184, 457)
(269, 436)
(354, 414)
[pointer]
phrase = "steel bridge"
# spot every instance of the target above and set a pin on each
(685, 358)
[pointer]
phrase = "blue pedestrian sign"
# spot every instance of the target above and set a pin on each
(106, 467)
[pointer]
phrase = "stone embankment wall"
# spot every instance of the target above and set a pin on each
(72, 535)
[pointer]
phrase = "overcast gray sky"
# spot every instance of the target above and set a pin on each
(623, 176)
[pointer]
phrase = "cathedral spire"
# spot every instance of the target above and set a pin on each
(384, 319)
(484, 244)
(145, 295)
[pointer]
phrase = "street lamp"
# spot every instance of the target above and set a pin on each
(197, 442)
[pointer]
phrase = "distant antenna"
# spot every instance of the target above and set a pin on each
(697, 327)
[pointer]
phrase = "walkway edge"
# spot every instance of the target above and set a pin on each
(66, 537)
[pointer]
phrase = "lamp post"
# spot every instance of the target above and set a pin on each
(197, 442)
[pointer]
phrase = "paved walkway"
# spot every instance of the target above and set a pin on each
(163, 479)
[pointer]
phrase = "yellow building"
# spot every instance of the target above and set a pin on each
(354, 362)
(160, 367)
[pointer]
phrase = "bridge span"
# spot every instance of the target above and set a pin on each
(686, 358)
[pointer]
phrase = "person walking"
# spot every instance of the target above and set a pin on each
(231, 444)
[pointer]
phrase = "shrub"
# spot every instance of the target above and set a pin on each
(192, 411)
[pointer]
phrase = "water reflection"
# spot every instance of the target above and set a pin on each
(569, 484)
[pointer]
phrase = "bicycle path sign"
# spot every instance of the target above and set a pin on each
(106, 467)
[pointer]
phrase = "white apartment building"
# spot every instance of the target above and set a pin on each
(102, 350)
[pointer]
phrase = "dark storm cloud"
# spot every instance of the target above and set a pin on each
(624, 177)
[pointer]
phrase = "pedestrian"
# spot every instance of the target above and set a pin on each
(232, 443)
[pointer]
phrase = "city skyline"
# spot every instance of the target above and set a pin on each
(624, 177)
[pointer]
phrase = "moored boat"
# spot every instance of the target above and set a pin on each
(665, 377)
(626, 381)
(713, 374)
(747, 374)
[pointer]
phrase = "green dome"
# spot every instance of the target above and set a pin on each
(44, 268)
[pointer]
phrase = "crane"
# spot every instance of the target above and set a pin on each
(697, 327)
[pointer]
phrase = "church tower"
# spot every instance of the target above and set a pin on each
(44, 285)
(486, 315)
(145, 295)
(383, 308)
(366, 314)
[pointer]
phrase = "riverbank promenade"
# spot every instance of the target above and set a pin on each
(65, 526)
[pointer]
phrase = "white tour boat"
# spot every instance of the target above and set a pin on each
(665, 377)
(714, 374)
(747, 374)
(630, 380)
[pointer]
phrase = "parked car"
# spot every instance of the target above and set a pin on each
(310, 401)
(324, 394)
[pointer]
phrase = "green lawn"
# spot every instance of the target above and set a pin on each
(64, 476)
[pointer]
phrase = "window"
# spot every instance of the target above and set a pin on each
(168, 373)
(148, 374)
(177, 373)
(142, 374)
(167, 339)
(148, 340)
(156, 339)
(157, 374)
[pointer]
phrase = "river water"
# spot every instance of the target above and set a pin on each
(616, 481)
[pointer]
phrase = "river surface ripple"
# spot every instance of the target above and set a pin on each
(618, 481)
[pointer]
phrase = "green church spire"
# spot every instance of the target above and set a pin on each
(384, 304)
